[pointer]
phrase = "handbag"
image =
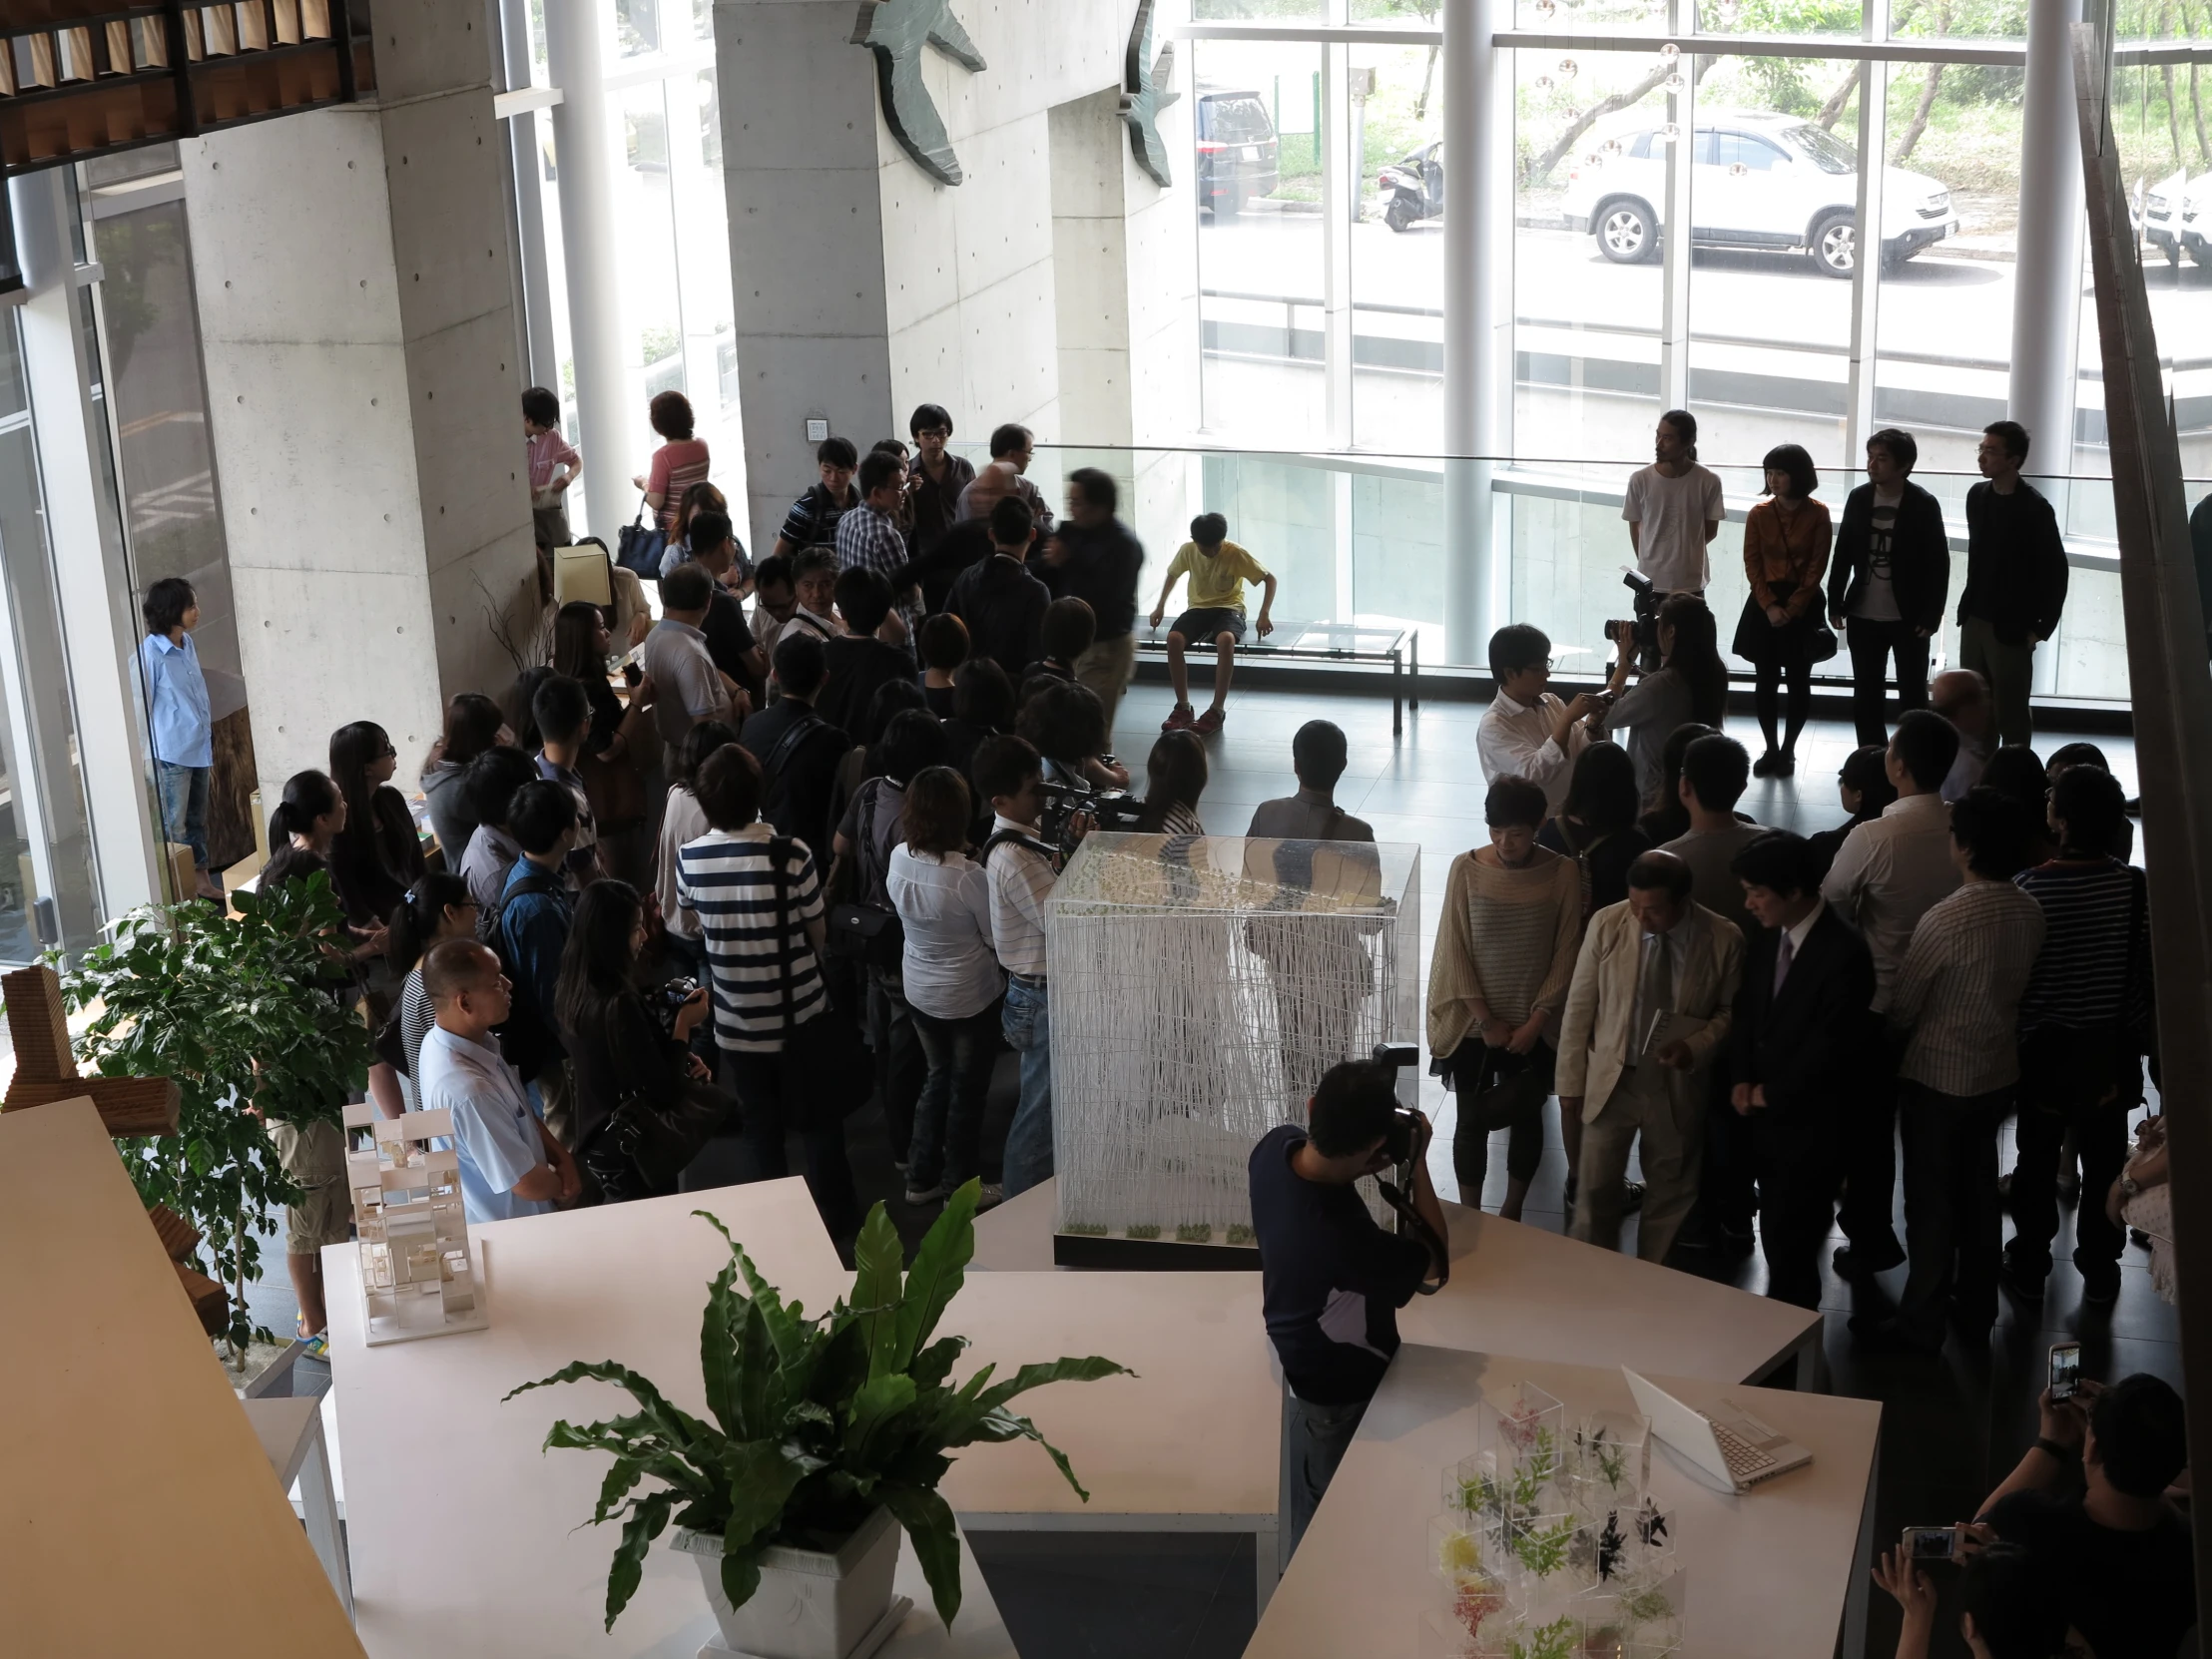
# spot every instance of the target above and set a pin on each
(639, 547)
(615, 791)
(1506, 1088)
(860, 930)
(662, 1140)
(827, 1072)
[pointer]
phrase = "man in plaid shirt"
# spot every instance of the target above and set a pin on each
(869, 537)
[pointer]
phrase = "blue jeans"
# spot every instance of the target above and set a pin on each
(183, 795)
(948, 1115)
(1028, 1027)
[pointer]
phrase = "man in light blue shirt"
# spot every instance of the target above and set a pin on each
(177, 712)
(510, 1165)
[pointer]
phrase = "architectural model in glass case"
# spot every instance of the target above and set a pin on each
(1201, 986)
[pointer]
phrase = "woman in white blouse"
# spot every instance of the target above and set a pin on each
(952, 983)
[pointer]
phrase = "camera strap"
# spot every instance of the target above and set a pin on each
(1415, 1224)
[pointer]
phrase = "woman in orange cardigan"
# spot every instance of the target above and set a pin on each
(1786, 545)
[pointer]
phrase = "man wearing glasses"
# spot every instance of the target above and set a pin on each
(935, 478)
(1527, 730)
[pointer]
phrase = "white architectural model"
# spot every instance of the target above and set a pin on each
(1201, 986)
(418, 1275)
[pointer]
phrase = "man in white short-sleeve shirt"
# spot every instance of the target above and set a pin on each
(510, 1164)
(1674, 509)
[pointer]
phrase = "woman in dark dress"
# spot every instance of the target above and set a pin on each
(1597, 825)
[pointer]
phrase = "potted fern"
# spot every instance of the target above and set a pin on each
(823, 1437)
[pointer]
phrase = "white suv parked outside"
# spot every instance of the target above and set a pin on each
(2177, 216)
(1756, 180)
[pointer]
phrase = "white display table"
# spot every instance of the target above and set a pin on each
(140, 1514)
(1523, 1290)
(466, 1540)
(1776, 1571)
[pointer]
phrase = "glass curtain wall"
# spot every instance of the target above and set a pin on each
(1777, 318)
(677, 315)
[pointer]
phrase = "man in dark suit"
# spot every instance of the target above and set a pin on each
(1802, 1041)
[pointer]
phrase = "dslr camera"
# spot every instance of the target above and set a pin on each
(1404, 1131)
(1641, 629)
(1067, 797)
(671, 996)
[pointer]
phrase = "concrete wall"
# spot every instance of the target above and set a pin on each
(352, 268)
(864, 287)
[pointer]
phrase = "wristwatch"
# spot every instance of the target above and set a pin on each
(2129, 1186)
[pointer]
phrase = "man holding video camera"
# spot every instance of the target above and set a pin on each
(1332, 1281)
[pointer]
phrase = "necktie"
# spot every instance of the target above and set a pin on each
(1783, 954)
(1655, 987)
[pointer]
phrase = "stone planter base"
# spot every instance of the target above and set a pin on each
(811, 1604)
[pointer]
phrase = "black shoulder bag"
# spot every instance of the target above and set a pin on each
(860, 930)
(661, 1140)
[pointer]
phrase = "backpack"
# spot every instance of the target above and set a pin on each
(775, 804)
(861, 928)
(525, 1038)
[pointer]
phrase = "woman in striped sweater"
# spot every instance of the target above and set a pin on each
(1511, 924)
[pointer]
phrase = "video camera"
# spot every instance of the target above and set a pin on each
(1066, 797)
(1641, 629)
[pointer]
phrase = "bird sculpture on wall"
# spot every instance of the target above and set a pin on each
(897, 31)
(1146, 83)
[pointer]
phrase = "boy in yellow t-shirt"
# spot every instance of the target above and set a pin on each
(1218, 569)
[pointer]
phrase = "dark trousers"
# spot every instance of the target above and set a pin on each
(947, 1135)
(2069, 1083)
(900, 1065)
(1867, 1135)
(1953, 1221)
(1315, 1439)
(1486, 1104)
(1795, 1153)
(757, 1082)
(1731, 1167)
(1872, 646)
(1767, 698)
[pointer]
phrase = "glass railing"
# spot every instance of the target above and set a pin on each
(1361, 540)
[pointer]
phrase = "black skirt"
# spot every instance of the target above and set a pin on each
(1801, 641)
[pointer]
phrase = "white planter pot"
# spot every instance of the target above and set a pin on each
(811, 1604)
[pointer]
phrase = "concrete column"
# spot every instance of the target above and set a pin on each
(93, 601)
(1090, 270)
(2046, 291)
(1478, 240)
(353, 274)
(807, 239)
(1674, 236)
(586, 131)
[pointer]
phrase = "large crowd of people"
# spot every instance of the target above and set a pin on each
(804, 863)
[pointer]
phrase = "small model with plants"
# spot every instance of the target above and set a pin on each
(248, 1013)
(814, 1422)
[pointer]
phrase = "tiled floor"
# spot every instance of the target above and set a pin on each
(1954, 1426)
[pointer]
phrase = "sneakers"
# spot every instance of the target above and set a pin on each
(929, 1195)
(2101, 1285)
(991, 1196)
(1210, 722)
(1179, 719)
(2023, 1285)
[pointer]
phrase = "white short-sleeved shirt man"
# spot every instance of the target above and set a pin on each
(1670, 515)
(494, 1130)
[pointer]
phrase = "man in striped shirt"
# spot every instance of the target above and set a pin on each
(764, 953)
(869, 538)
(1959, 994)
(1022, 869)
(2085, 1024)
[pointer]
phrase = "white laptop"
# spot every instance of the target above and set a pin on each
(1728, 1444)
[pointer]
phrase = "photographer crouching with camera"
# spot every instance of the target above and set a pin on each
(1066, 723)
(1332, 1281)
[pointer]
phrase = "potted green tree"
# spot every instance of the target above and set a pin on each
(240, 1011)
(827, 1436)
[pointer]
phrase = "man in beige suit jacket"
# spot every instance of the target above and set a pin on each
(1659, 952)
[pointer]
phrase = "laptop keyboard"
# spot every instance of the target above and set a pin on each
(1745, 1462)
